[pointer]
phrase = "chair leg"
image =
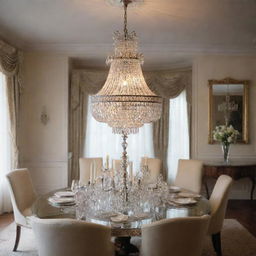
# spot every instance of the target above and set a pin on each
(216, 242)
(18, 229)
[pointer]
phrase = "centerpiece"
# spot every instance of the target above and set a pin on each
(226, 135)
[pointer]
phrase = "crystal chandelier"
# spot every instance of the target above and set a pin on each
(125, 102)
(227, 107)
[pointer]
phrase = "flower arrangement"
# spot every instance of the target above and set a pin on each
(226, 135)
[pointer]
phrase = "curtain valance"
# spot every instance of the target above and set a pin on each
(9, 59)
(170, 83)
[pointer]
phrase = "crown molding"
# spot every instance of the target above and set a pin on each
(95, 49)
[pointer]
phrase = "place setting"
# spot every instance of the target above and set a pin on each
(181, 197)
(62, 198)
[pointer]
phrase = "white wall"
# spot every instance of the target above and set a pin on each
(43, 148)
(219, 67)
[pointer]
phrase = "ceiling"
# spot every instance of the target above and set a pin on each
(171, 32)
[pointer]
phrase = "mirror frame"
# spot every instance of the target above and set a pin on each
(230, 81)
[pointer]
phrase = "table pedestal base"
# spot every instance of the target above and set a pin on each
(124, 247)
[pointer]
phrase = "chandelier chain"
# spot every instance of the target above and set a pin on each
(125, 19)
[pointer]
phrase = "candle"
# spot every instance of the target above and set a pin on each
(107, 162)
(91, 173)
(94, 170)
(145, 161)
(111, 172)
(130, 170)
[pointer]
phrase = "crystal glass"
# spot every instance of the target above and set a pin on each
(104, 199)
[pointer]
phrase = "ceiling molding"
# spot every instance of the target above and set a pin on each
(92, 49)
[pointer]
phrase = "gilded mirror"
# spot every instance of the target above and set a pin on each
(228, 105)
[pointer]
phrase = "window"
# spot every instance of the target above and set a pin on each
(178, 145)
(5, 146)
(100, 141)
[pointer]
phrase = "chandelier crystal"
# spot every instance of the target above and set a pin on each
(125, 102)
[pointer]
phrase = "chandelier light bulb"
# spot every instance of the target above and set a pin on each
(125, 83)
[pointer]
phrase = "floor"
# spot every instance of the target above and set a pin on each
(5, 220)
(245, 212)
(242, 210)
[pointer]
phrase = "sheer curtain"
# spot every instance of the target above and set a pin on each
(5, 146)
(100, 141)
(178, 144)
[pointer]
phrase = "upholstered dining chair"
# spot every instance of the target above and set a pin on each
(22, 196)
(85, 167)
(218, 202)
(189, 175)
(176, 237)
(154, 166)
(66, 237)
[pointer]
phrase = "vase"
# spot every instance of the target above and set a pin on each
(225, 149)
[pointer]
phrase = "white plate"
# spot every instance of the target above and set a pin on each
(184, 201)
(64, 194)
(174, 189)
(188, 195)
(120, 218)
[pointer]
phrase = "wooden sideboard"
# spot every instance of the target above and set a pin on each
(235, 170)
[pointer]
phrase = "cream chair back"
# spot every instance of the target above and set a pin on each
(22, 194)
(85, 165)
(218, 202)
(66, 237)
(175, 237)
(189, 175)
(154, 166)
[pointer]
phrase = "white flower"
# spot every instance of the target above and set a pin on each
(225, 134)
(229, 129)
(230, 139)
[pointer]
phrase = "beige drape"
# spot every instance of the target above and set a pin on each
(79, 93)
(9, 65)
(168, 84)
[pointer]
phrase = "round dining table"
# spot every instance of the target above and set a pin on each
(123, 231)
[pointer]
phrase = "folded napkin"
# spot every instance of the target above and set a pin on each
(183, 201)
(120, 218)
(64, 194)
(174, 189)
(189, 195)
(61, 200)
(141, 216)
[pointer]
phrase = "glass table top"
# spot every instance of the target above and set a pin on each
(43, 209)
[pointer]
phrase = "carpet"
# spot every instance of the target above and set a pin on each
(236, 241)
